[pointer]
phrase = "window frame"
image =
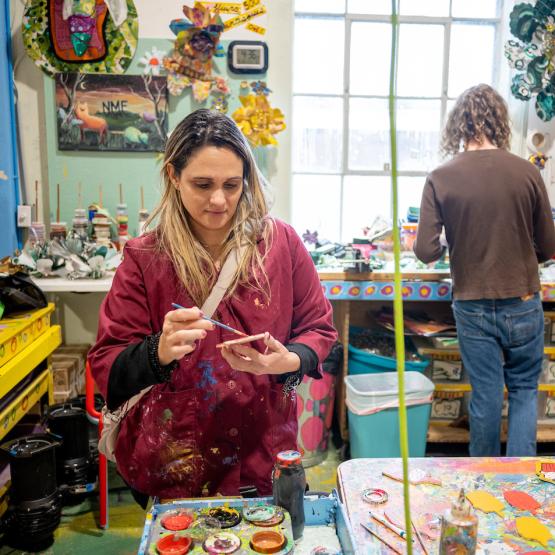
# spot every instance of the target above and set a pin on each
(349, 18)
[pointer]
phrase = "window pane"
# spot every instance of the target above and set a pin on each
(375, 7)
(364, 198)
(474, 8)
(420, 60)
(320, 6)
(370, 76)
(410, 193)
(318, 63)
(433, 8)
(418, 123)
(317, 133)
(470, 56)
(368, 134)
(315, 204)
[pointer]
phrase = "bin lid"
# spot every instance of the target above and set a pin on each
(387, 384)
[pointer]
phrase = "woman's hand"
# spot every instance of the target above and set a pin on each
(181, 329)
(276, 359)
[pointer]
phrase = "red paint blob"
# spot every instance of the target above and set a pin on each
(521, 500)
(174, 545)
(320, 388)
(177, 522)
(300, 405)
(312, 433)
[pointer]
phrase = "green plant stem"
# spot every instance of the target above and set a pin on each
(398, 297)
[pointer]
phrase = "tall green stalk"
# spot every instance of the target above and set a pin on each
(398, 298)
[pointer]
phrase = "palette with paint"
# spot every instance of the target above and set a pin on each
(238, 526)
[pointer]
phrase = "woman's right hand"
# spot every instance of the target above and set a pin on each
(181, 329)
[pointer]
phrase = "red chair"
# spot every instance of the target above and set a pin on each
(94, 416)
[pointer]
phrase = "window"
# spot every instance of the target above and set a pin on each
(341, 159)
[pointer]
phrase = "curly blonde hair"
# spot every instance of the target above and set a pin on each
(479, 113)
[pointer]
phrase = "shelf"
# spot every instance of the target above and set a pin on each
(62, 285)
(27, 360)
(455, 387)
(441, 432)
(15, 411)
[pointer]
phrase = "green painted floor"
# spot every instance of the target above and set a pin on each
(79, 534)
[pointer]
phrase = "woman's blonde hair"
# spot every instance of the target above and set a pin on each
(174, 235)
(479, 112)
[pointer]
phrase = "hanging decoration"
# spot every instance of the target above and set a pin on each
(256, 118)
(532, 55)
(80, 36)
(190, 62)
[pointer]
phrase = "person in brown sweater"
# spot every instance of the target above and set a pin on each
(498, 225)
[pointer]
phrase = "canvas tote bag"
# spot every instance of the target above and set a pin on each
(111, 420)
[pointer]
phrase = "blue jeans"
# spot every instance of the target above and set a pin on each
(501, 342)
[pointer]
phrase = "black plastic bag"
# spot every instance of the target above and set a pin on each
(18, 293)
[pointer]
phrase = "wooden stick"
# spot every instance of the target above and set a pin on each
(58, 202)
(370, 531)
(120, 193)
(392, 527)
(36, 200)
(420, 540)
(142, 198)
(100, 196)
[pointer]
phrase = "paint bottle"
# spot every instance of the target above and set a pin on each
(459, 528)
(288, 485)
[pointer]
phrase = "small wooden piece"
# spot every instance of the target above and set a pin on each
(530, 528)
(521, 500)
(485, 502)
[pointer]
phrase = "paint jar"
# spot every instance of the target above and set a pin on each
(264, 515)
(143, 217)
(58, 230)
(37, 232)
(173, 545)
(288, 486)
(226, 516)
(459, 528)
(267, 541)
(222, 542)
(80, 223)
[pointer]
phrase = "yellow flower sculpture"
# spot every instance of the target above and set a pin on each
(258, 121)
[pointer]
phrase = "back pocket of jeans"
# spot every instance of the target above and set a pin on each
(524, 326)
(469, 324)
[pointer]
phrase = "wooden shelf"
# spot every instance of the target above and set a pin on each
(27, 360)
(15, 411)
(440, 432)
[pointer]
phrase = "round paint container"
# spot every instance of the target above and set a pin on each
(263, 515)
(226, 516)
(176, 520)
(221, 542)
(173, 545)
(268, 541)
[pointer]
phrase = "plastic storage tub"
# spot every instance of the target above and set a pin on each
(372, 401)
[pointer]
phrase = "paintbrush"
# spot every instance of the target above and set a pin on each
(215, 322)
(370, 531)
(390, 526)
(419, 538)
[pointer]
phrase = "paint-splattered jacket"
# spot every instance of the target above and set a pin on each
(209, 429)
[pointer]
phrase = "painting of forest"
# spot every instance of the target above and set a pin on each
(111, 112)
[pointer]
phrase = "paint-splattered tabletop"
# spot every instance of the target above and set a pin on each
(497, 534)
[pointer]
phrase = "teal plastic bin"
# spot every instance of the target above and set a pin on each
(373, 410)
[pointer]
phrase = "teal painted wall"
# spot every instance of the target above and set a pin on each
(112, 168)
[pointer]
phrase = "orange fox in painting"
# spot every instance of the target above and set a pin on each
(94, 123)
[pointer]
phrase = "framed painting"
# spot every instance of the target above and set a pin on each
(125, 113)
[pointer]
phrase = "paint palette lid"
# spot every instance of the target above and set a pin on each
(262, 513)
(222, 542)
(177, 520)
(268, 541)
(289, 457)
(226, 516)
(173, 545)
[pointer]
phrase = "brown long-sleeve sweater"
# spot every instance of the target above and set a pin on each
(498, 223)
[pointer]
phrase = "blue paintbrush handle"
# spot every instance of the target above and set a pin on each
(215, 322)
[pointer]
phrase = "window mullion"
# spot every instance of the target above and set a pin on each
(345, 145)
(445, 76)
